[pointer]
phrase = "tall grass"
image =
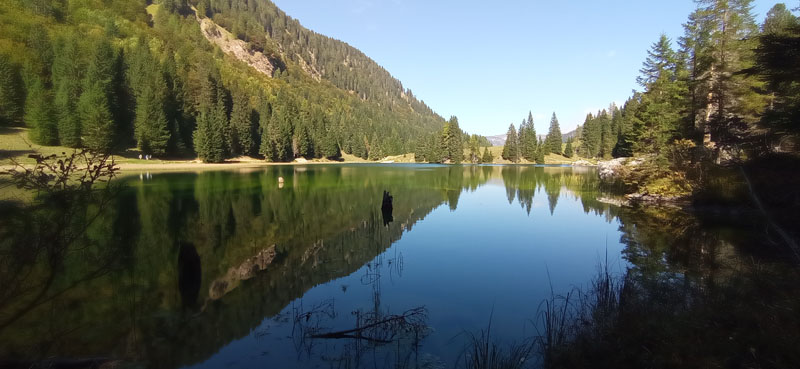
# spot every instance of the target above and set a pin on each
(482, 352)
(583, 315)
(562, 321)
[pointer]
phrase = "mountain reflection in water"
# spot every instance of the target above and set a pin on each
(231, 268)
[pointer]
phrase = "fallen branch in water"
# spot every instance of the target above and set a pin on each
(411, 320)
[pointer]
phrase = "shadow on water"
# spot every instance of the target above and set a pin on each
(248, 246)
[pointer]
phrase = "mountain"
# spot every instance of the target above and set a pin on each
(207, 78)
(500, 140)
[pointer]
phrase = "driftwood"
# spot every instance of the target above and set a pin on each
(411, 320)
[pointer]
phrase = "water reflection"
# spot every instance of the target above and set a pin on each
(179, 266)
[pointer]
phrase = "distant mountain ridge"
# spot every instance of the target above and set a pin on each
(500, 140)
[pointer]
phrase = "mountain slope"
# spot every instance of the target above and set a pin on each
(234, 78)
(267, 28)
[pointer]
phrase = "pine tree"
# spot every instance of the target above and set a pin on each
(474, 149)
(94, 106)
(67, 71)
(150, 126)
(722, 45)
(662, 106)
(607, 136)
(568, 150)
(779, 21)
(276, 142)
(452, 141)
(242, 141)
(303, 142)
(541, 151)
(528, 144)
(11, 93)
(628, 120)
(590, 134)
(778, 64)
(329, 148)
(487, 157)
(39, 115)
(96, 120)
(208, 139)
(553, 140)
(511, 148)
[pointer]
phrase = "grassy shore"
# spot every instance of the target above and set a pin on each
(15, 145)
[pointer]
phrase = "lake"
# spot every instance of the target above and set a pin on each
(302, 266)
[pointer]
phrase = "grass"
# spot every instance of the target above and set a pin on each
(497, 152)
(15, 144)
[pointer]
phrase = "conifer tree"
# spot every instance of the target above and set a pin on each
(303, 142)
(568, 149)
(242, 141)
(511, 148)
(662, 105)
(553, 140)
(722, 45)
(67, 71)
(329, 148)
(11, 93)
(487, 157)
(39, 115)
(207, 139)
(150, 126)
(451, 141)
(541, 151)
(778, 64)
(94, 106)
(96, 120)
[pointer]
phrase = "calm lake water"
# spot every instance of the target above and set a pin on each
(233, 269)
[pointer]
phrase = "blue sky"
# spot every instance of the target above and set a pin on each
(490, 62)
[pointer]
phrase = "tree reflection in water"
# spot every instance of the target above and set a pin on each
(180, 265)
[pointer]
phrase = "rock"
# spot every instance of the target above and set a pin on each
(651, 199)
(582, 163)
(609, 170)
(237, 48)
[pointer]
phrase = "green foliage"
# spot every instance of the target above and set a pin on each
(161, 75)
(511, 148)
(67, 73)
(96, 120)
(568, 152)
(541, 151)
(39, 115)
(208, 139)
(329, 148)
(212, 134)
(242, 127)
(451, 146)
(276, 141)
(528, 145)
(151, 131)
(661, 109)
(487, 157)
(11, 93)
(553, 140)
(778, 65)
(305, 147)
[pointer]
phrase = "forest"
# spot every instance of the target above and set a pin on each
(727, 93)
(112, 76)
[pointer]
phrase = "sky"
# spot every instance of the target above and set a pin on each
(491, 62)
